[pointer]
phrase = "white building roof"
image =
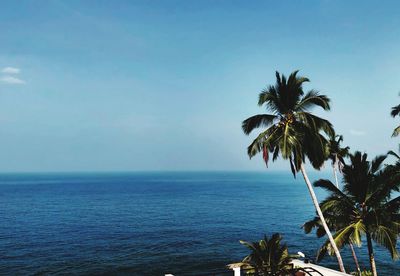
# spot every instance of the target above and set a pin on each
(323, 270)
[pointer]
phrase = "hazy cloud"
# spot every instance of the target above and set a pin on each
(10, 70)
(356, 132)
(11, 80)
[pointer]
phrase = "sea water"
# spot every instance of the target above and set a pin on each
(153, 223)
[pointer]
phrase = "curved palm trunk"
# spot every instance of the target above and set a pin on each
(353, 252)
(371, 254)
(321, 216)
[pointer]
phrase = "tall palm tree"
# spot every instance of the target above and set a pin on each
(365, 206)
(292, 131)
(395, 111)
(268, 257)
(337, 154)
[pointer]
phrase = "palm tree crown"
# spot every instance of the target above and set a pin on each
(364, 207)
(337, 154)
(292, 131)
(268, 257)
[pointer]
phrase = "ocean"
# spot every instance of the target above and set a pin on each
(153, 223)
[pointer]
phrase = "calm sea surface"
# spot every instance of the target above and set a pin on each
(151, 223)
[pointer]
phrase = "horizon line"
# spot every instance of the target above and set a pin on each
(149, 171)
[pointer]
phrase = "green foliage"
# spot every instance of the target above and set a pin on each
(395, 112)
(363, 273)
(291, 130)
(364, 205)
(267, 257)
(336, 152)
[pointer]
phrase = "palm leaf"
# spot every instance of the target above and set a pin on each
(386, 237)
(316, 123)
(395, 110)
(311, 99)
(390, 152)
(396, 131)
(261, 120)
(377, 162)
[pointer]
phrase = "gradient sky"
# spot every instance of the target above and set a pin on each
(165, 85)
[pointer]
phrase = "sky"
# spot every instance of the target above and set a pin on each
(165, 85)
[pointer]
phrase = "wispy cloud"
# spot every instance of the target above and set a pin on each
(8, 75)
(10, 70)
(11, 80)
(356, 132)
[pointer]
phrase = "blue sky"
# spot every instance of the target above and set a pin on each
(164, 85)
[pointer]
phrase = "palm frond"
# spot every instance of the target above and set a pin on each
(386, 237)
(384, 183)
(270, 98)
(395, 110)
(256, 121)
(328, 186)
(316, 123)
(377, 162)
(396, 132)
(311, 224)
(393, 205)
(315, 148)
(350, 233)
(311, 99)
(262, 140)
(390, 152)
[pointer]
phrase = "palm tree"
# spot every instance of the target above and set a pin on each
(268, 257)
(292, 131)
(394, 113)
(364, 207)
(337, 154)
